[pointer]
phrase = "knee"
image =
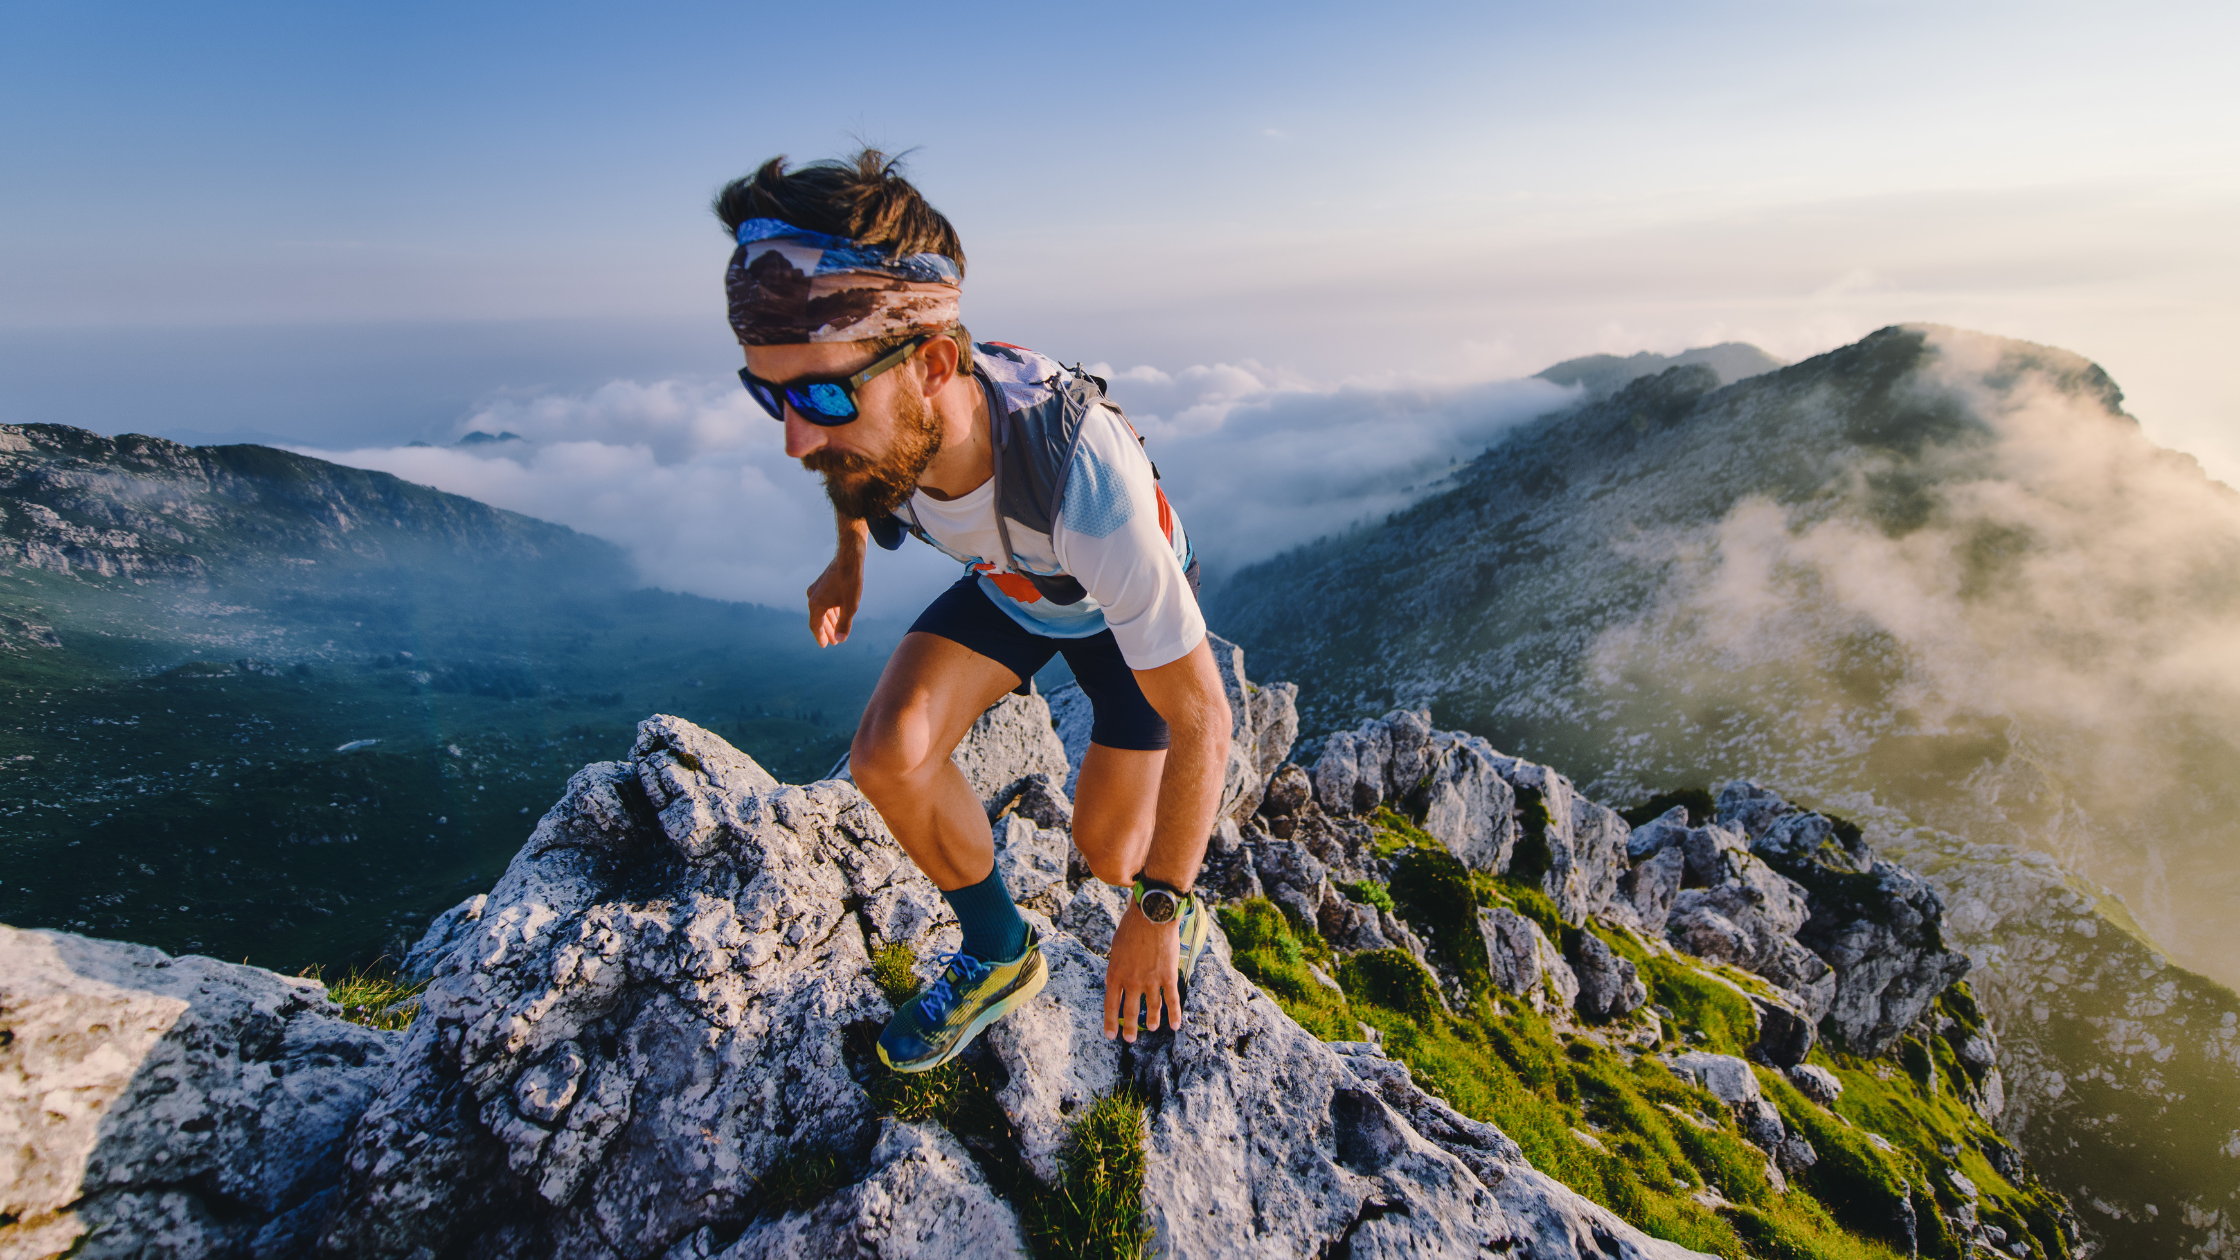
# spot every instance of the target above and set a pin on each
(1108, 862)
(882, 757)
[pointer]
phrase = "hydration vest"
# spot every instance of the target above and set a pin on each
(1035, 410)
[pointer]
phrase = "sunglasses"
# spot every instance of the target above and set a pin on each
(825, 403)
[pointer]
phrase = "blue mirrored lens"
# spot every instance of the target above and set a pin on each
(824, 399)
(762, 393)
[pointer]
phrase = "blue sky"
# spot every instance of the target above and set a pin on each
(353, 225)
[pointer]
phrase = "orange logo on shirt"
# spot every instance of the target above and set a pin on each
(1011, 584)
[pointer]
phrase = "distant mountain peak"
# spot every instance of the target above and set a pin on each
(1605, 374)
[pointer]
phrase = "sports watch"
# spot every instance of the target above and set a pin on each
(1159, 900)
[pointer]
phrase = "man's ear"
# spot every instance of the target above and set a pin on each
(939, 358)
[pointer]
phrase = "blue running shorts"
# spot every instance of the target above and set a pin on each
(965, 615)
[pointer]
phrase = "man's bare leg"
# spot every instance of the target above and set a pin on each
(1115, 803)
(930, 695)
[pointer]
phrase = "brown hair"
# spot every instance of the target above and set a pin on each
(862, 198)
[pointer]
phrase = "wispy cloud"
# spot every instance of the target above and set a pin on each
(692, 479)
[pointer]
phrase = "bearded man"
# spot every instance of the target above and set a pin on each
(844, 294)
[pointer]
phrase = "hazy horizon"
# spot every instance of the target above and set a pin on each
(353, 229)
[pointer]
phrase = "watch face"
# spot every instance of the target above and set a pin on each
(1158, 905)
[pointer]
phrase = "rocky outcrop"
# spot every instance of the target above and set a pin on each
(1732, 1082)
(669, 994)
(1875, 924)
(152, 1105)
(1012, 740)
(1609, 986)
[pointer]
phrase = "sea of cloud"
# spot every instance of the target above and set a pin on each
(691, 478)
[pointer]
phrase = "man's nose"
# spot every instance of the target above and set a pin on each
(802, 437)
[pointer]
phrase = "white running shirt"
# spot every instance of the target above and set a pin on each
(1115, 534)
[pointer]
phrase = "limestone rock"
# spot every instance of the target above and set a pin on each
(1649, 888)
(1040, 800)
(1032, 861)
(1337, 774)
(152, 1105)
(1515, 947)
(1467, 805)
(1750, 807)
(1093, 915)
(923, 1199)
(1573, 848)
(1072, 716)
(1729, 1079)
(1263, 722)
(1010, 741)
(707, 990)
(1883, 937)
(1289, 791)
(1609, 986)
(1816, 1083)
(1877, 925)
(1653, 837)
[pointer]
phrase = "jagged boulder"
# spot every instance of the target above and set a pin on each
(1816, 1083)
(1877, 925)
(1012, 740)
(922, 1199)
(152, 1105)
(1032, 861)
(1609, 986)
(1573, 848)
(1451, 781)
(1648, 888)
(1732, 1082)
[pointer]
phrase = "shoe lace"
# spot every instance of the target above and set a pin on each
(957, 969)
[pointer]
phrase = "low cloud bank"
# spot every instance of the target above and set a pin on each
(1257, 464)
(691, 478)
(2045, 649)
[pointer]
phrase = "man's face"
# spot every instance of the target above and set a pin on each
(872, 463)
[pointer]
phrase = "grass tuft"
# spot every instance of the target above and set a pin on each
(1095, 1212)
(894, 968)
(376, 999)
(802, 1179)
(1368, 892)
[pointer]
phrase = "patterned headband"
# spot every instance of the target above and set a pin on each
(789, 286)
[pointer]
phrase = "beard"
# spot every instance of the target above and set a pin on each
(867, 489)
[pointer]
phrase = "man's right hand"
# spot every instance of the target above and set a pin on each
(833, 598)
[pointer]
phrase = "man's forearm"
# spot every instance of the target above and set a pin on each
(1190, 698)
(854, 538)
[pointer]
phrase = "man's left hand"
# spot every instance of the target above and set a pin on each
(1141, 973)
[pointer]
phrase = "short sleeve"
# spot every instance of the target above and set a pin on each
(1117, 538)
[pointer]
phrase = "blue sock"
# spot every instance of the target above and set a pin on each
(993, 930)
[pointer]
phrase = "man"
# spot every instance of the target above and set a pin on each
(843, 292)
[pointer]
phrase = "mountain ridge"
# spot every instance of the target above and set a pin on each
(1937, 581)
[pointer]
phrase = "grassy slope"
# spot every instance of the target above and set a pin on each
(1624, 1131)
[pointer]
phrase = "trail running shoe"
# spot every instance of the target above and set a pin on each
(942, 1020)
(1197, 925)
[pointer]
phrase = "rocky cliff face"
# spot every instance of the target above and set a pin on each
(651, 1038)
(1935, 582)
(141, 507)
